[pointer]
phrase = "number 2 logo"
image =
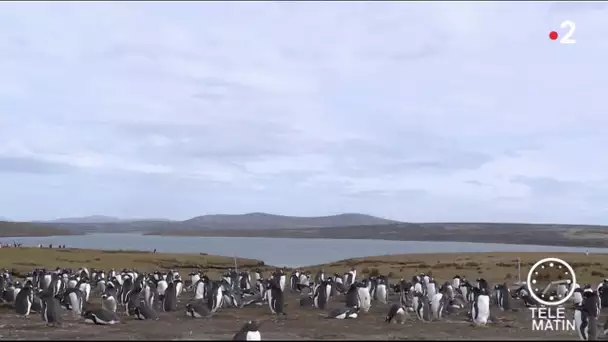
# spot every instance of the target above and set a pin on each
(567, 39)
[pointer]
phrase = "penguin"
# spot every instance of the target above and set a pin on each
(24, 301)
(101, 317)
(381, 289)
(197, 310)
(456, 282)
(420, 304)
(364, 298)
(343, 313)
(108, 299)
(396, 312)
(200, 289)
(585, 316)
(431, 290)
(480, 308)
(438, 305)
(169, 301)
(249, 332)
(577, 296)
(144, 312)
(216, 298)
(352, 296)
(603, 293)
(133, 301)
(503, 296)
(50, 310)
(321, 295)
(275, 298)
(73, 299)
(293, 280)
(84, 286)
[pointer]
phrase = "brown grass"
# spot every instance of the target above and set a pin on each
(494, 267)
(23, 260)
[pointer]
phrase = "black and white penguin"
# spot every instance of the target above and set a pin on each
(101, 317)
(249, 332)
(420, 304)
(144, 312)
(396, 312)
(169, 300)
(51, 309)
(85, 286)
(439, 303)
(197, 310)
(586, 315)
(73, 300)
(321, 295)
(108, 299)
(480, 308)
(577, 296)
(275, 298)
(603, 293)
(381, 293)
(215, 298)
(24, 301)
(343, 313)
(503, 296)
(294, 279)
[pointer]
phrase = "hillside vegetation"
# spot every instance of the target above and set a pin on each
(15, 229)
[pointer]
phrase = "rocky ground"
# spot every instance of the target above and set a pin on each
(299, 324)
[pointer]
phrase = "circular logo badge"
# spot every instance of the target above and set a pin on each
(546, 273)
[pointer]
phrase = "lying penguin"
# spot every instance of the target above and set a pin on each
(101, 317)
(344, 313)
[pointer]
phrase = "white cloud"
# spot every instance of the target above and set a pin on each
(416, 111)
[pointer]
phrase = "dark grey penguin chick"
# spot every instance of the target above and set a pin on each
(249, 332)
(101, 317)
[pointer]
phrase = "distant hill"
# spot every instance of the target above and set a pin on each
(251, 221)
(14, 229)
(254, 221)
(98, 219)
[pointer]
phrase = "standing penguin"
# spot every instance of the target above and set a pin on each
(321, 295)
(480, 308)
(24, 301)
(365, 300)
(503, 296)
(382, 289)
(50, 310)
(215, 298)
(438, 305)
(73, 299)
(275, 298)
(169, 301)
(108, 299)
(249, 332)
(585, 316)
(397, 312)
(420, 304)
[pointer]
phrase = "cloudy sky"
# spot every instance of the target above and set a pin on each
(411, 111)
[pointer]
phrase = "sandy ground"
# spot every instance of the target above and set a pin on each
(297, 325)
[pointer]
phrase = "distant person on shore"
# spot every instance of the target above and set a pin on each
(154, 251)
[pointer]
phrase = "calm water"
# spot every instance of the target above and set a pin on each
(281, 251)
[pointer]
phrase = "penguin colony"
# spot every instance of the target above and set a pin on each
(140, 296)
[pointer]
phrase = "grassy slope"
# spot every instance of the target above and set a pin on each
(14, 229)
(22, 260)
(495, 267)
